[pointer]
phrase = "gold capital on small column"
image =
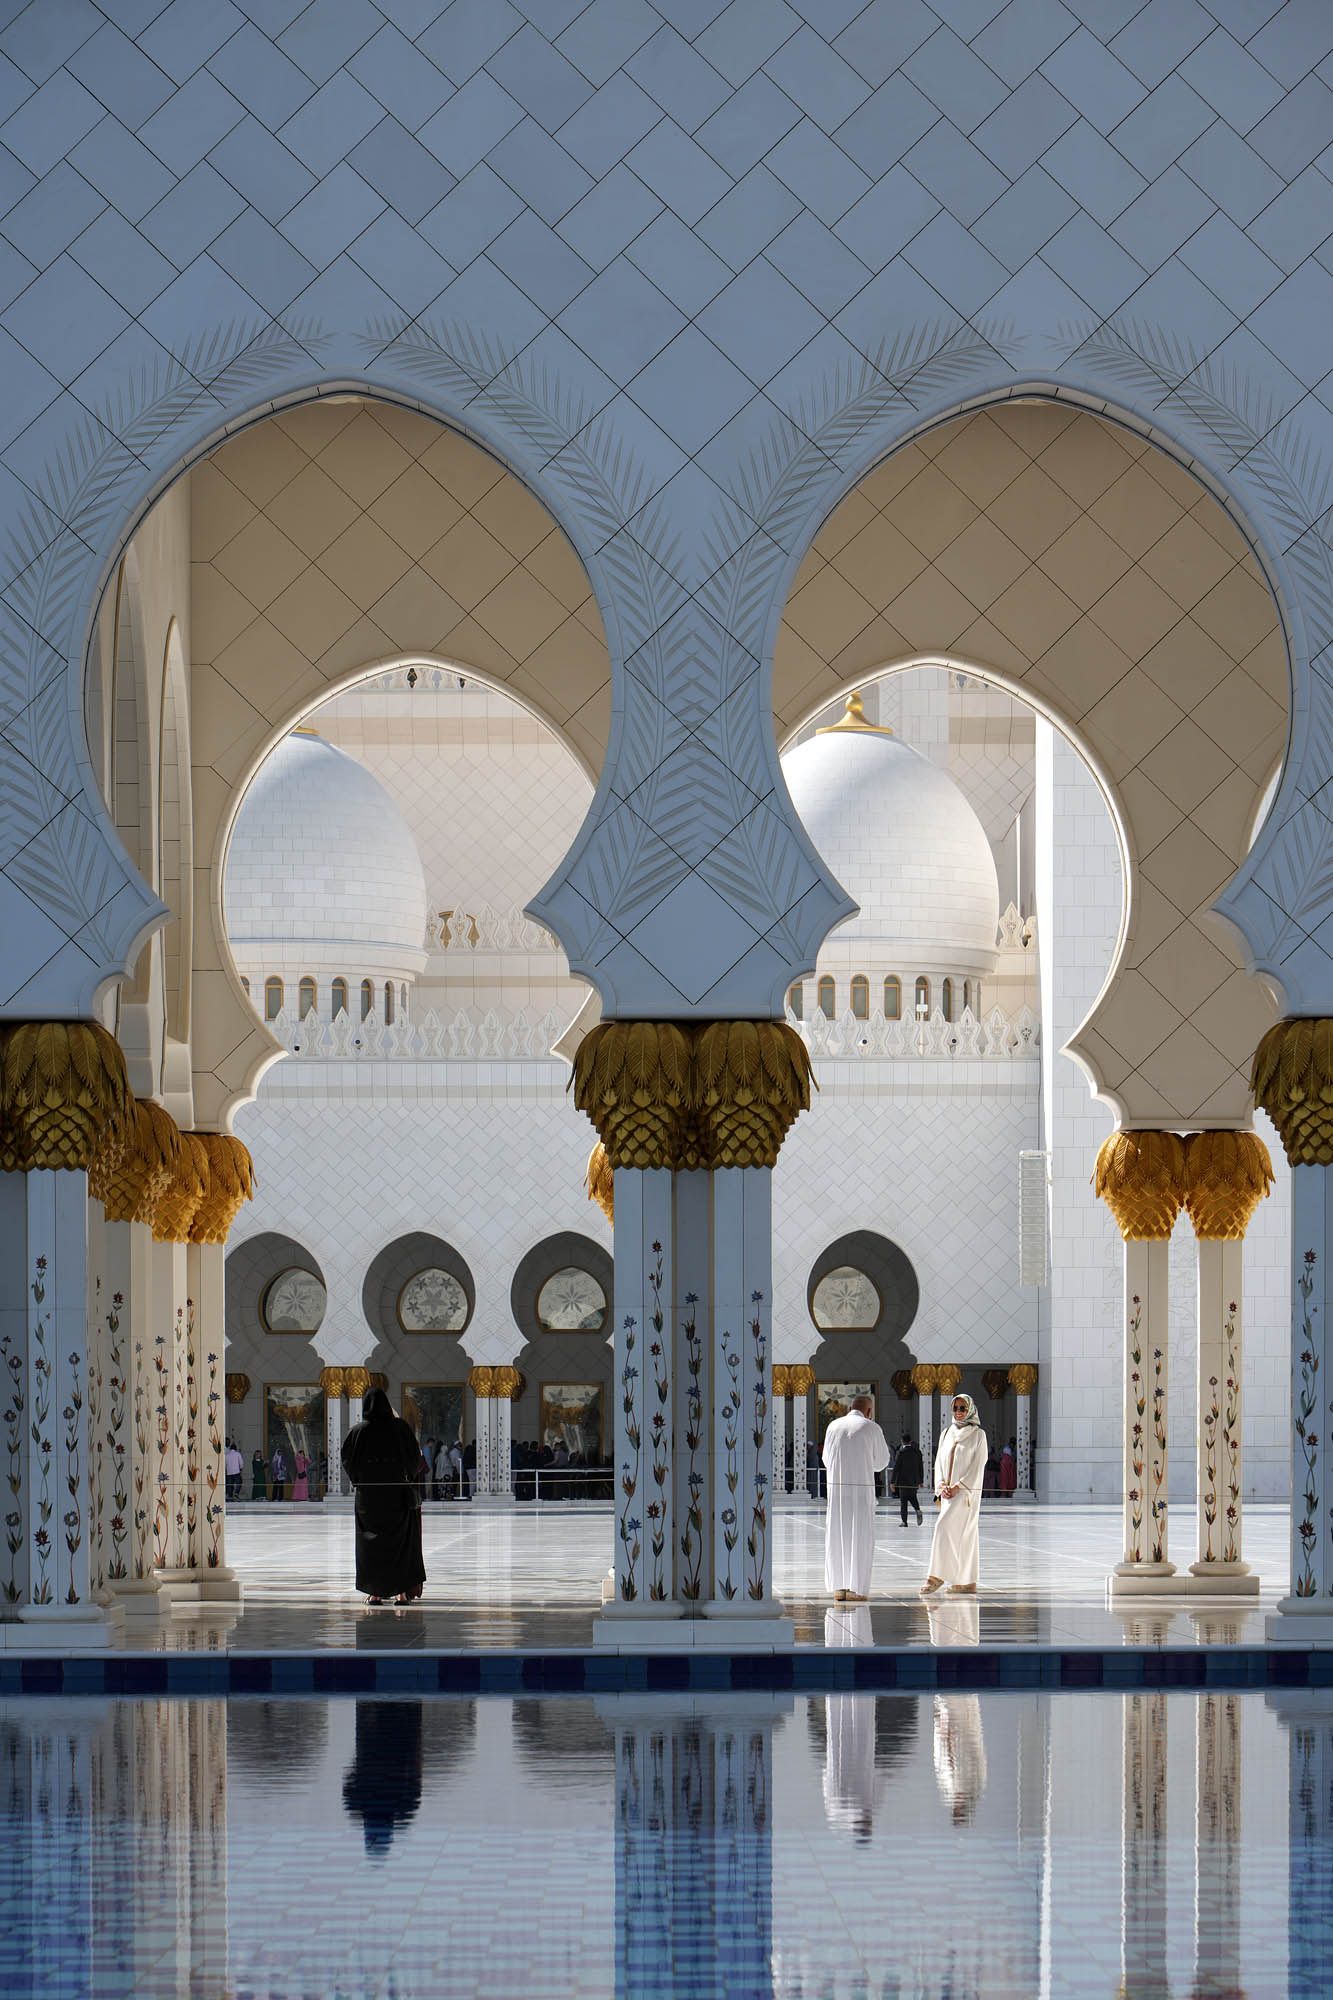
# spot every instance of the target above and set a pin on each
(130, 1184)
(333, 1381)
(925, 1378)
(902, 1385)
(781, 1379)
(64, 1096)
(800, 1378)
(1141, 1178)
(231, 1183)
(600, 1182)
(1292, 1080)
(686, 1095)
(506, 1383)
(1023, 1377)
(481, 1381)
(947, 1377)
(237, 1387)
(1227, 1175)
(356, 1383)
(179, 1202)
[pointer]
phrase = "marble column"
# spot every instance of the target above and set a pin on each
(493, 1388)
(1218, 1721)
(1227, 1175)
(801, 1381)
(781, 1394)
(332, 1382)
(1305, 1716)
(1141, 1177)
(1023, 1378)
(924, 1378)
(691, 1120)
(1293, 1082)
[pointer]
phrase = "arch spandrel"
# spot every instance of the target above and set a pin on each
(1074, 562)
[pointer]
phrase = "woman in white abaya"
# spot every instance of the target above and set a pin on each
(960, 1467)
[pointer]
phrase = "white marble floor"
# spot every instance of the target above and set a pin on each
(531, 1578)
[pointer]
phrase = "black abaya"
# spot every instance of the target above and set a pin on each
(381, 1457)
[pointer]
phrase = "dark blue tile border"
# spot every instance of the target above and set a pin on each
(810, 1670)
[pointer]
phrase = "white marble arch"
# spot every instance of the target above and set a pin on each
(1119, 1044)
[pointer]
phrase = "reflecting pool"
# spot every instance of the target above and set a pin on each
(815, 1846)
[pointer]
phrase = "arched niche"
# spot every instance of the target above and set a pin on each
(406, 1353)
(329, 539)
(871, 1351)
(1071, 560)
(252, 1266)
(555, 1354)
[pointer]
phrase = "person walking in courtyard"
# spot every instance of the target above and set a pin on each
(301, 1484)
(235, 1470)
(278, 1469)
(906, 1477)
(855, 1449)
(382, 1459)
(258, 1475)
(960, 1467)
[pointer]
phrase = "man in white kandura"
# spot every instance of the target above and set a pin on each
(960, 1467)
(855, 1449)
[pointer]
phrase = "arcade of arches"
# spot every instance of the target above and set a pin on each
(349, 706)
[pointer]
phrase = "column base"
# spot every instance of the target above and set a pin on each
(674, 1628)
(1144, 1580)
(491, 1503)
(1024, 1495)
(61, 1628)
(198, 1586)
(801, 1499)
(138, 1596)
(1219, 1579)
(1300, 1621)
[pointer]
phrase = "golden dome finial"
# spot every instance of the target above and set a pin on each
(854, 718)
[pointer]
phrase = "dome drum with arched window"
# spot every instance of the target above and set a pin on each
(324, 893)
(901, 837)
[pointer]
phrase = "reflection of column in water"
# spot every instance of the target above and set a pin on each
(1217, 1966)
(960, 1754)
(1306, 1716)
(694, 1874)
(1143, 1844)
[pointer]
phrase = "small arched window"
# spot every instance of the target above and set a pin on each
(947, 1002)
(974, 996)
(921, 1000)
(402, 996)
(339, 997)
(893, 998)
(367, 998)
(796, 1000)
(272, 998)
(861, 997)
(245, 982)
(306, 997)
(388, 1003)
(828, 997)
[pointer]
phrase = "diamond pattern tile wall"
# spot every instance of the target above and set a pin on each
(1085, 199)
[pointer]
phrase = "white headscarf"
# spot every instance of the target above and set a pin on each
(961, 1396)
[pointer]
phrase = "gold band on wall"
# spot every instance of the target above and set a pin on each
(667, 1094)
(1292, 1080)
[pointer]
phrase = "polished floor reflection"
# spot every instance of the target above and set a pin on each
(825, 1847)
(531, 1580)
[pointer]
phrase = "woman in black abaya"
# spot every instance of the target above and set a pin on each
(381, 1457)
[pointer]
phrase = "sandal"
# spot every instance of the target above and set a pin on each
(402, 1598)
(374, 1600)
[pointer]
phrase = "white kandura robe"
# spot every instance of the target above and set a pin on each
(855, 1449)
(961, 1462)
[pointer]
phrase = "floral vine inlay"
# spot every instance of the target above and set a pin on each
(1139, 1401)
(115, 1441)
(15, 1404)
(659, 1443)
(41, 1414)
(189, 1392)
(213, 1508)
(72, 1414)
(1307, 1437)
(1231, 1435)
(163, 1414)
(1208, 1498)
(756, 1542)
(142, 1525)
(630, 1526)
(1158, 1458)
(730, 1417)
(692, 1540)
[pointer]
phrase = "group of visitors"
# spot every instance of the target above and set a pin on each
(551, 1471)
(855, 1451)
(270, 1477)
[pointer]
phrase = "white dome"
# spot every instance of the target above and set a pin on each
(903, 841)
(322, 867)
